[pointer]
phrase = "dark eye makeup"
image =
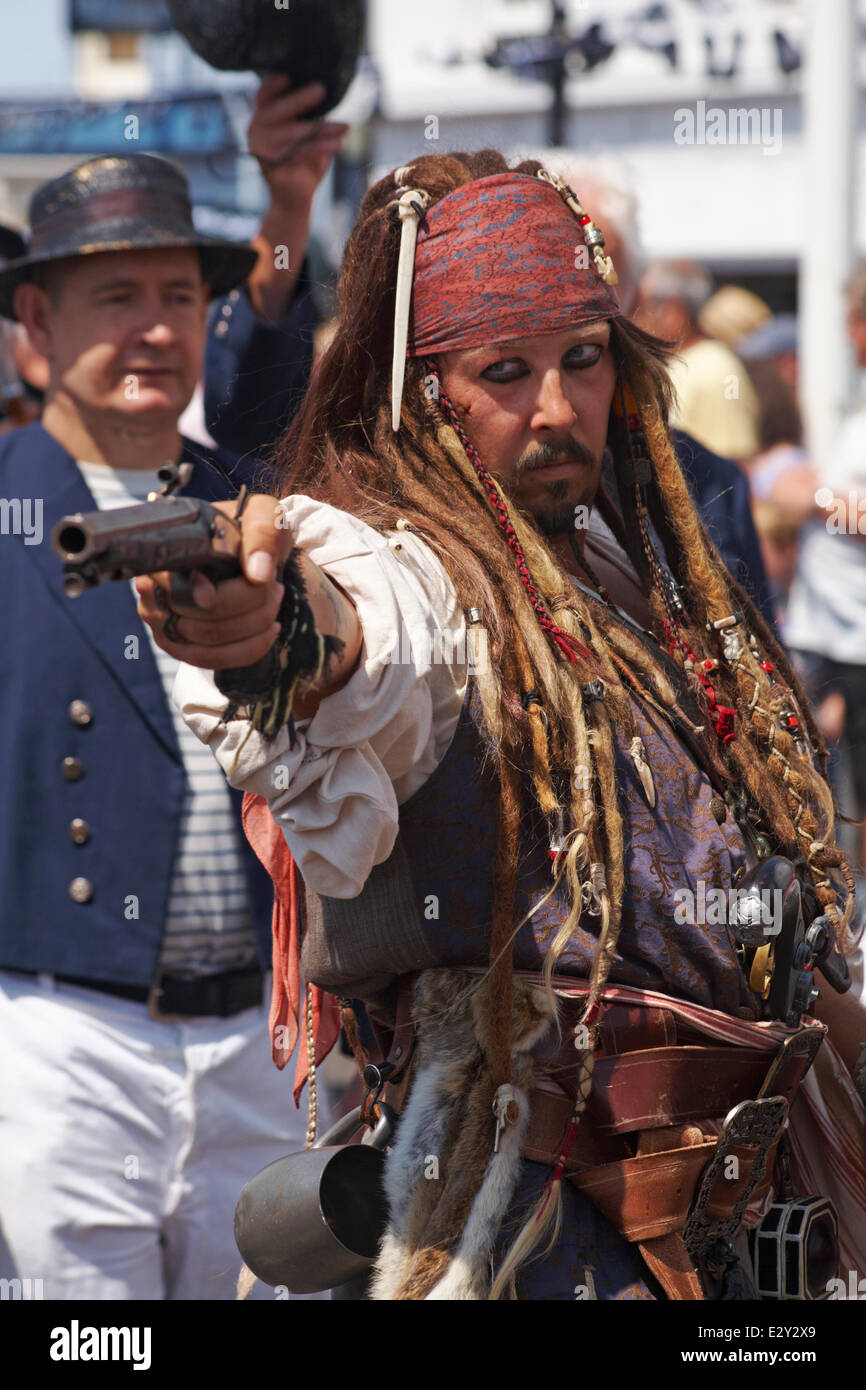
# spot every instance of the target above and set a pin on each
(508, 369)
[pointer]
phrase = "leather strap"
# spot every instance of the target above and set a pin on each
(670, 1085)
(646, 1194)
(403, 1037)
(646, 1202)
(649, 1195)
(668, 1259)
(396, 1066)
(218, 996)
(549, 1114)
(642, 1196)
(623, 1028)
(643, 1078)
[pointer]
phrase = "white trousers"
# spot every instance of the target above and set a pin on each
(125, 1142)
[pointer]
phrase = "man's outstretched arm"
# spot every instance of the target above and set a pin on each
(234, 623)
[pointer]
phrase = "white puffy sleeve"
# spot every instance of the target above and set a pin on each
(373, 743)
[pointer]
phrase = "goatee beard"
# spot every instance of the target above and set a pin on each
(556, 520)
(557, 517)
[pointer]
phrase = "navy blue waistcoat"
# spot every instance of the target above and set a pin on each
(57, 651)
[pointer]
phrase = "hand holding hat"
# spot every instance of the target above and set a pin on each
(293, 151)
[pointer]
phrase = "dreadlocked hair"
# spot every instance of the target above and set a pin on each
(536, 718)
(775, 728)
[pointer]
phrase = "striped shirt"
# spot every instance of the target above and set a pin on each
(208, 927)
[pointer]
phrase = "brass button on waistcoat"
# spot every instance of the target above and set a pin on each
(73, 769)
(81, 890)
(80, 712)
(79, 830)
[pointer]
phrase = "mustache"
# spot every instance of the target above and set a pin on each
(553, 451)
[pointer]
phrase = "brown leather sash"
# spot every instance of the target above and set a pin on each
(645, 1194)
(670, 1085)
(657, 1093)
(642, 1081)
(641, 1196)
(646, 1197)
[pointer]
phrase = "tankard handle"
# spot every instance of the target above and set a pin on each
(343, 1129)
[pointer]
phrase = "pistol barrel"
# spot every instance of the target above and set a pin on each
(177, 533)
(84, 535)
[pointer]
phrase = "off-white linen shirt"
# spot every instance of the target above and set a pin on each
(369, 746)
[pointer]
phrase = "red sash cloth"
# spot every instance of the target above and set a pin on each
(498, 259)
(287, 1001)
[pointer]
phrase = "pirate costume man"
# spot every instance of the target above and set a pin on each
(499, 814)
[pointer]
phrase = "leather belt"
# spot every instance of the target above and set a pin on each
(642, 1195)
(641, 1082)
(657, 1092)
(671, 1085)
(646, 1197)
(204, 996)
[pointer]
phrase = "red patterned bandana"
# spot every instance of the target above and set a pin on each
(502, 258)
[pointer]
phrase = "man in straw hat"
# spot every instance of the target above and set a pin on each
(135, 933)
(715, 400)
(508, 777)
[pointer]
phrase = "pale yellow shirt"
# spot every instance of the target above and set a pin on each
(716, 402)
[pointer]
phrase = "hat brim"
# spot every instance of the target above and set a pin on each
(224, 264)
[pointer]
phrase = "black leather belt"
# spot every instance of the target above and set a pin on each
(203, 996)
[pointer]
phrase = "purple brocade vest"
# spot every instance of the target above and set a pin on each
(429, 904)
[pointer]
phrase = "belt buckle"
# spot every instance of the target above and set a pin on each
(758, 1123)
(153, 999)
(804, 1043)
